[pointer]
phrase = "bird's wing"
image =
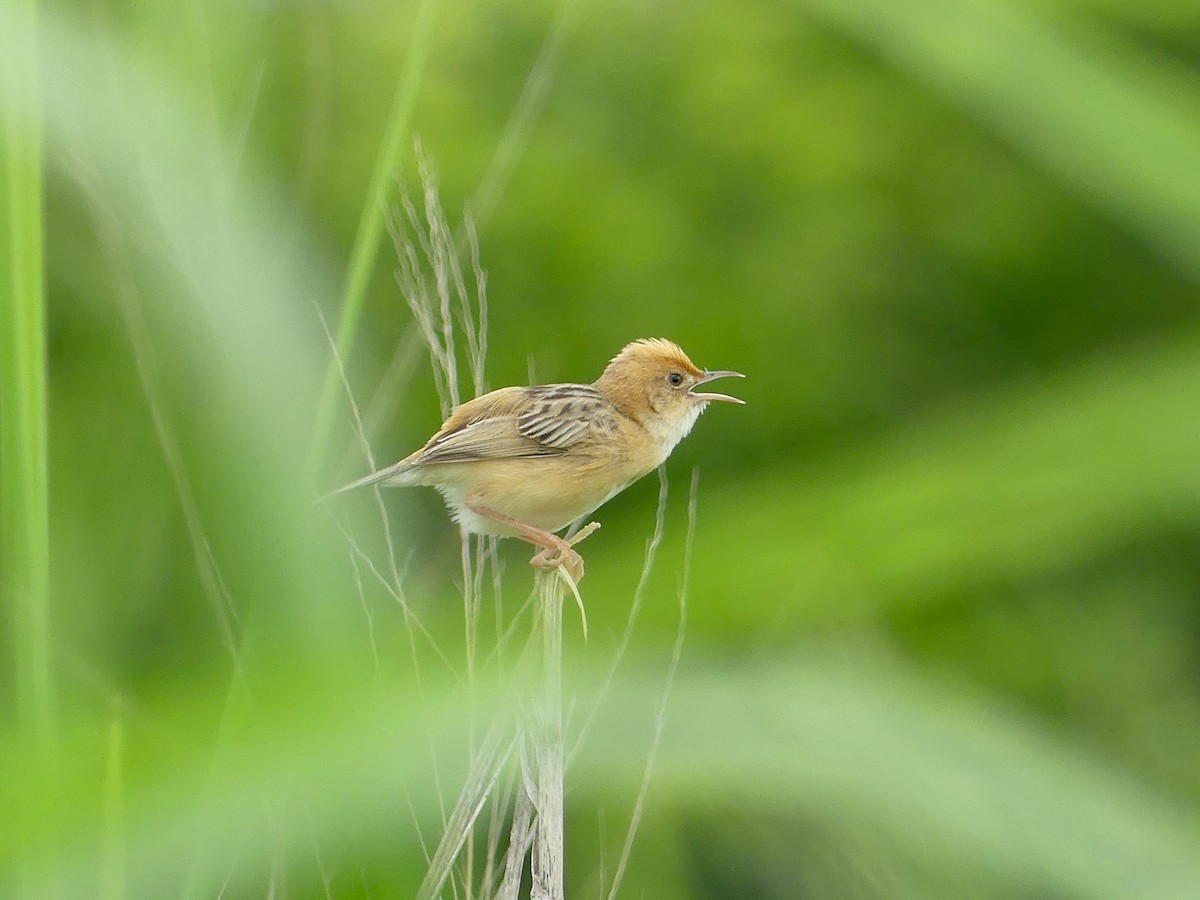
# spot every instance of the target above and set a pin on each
(496, 438)
(561, 415)
(517, 422)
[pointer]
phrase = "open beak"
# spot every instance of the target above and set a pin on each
(713, 376)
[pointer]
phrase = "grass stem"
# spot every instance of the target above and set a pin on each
(371, 219)
(24, 483)
(112, 861)
(24, 501)
(547, 857)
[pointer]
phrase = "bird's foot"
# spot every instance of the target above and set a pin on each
(559, 555)
(562, 553)
(562, 558)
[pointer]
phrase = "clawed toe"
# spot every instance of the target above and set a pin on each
(553, 557)
(561, 556)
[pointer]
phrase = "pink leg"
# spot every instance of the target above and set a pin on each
(555, 551)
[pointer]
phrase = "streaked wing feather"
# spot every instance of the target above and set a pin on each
(517, 423)
(561, 414)
(496, 438)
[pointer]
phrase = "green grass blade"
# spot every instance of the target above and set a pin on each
(24, 513)
(112, 855)
(1116, 125)
(937, 770)
(932, 768)
(371, 218)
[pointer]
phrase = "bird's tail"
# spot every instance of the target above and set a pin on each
(393, 474)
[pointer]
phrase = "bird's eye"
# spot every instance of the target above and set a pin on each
(676, 378)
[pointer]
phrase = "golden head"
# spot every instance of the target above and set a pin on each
(653, 379)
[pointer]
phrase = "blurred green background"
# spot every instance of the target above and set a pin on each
(942, 620)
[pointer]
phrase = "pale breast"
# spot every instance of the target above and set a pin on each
(546, 492)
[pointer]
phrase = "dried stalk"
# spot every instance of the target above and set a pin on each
(546, 858)
(487, 765)
(452, 319)
(660, 720)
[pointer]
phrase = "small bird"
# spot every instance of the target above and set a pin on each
(526, 462)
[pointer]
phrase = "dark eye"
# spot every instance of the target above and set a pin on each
(676, 378)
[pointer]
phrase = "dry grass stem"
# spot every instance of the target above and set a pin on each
(635, 607)
(520, 838)
(546, 857)
(570, 582)
(396, 377)
(397, 595)
(451, 319)
(487, 765)
(433, 284)
(660, 720)
(499, 803)
(394, 587)
(356, 568)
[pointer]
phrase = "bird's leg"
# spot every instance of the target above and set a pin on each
(554, 552)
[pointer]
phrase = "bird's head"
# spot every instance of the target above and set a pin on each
(653, 380)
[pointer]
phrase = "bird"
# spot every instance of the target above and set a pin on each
(527, 461)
